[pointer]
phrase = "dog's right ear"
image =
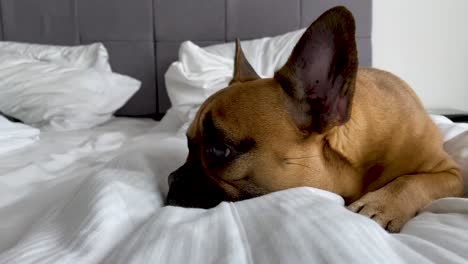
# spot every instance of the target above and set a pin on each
(320, 74)
(243, 71)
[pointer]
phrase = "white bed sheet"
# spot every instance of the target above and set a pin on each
(14, 135)
(97, 197)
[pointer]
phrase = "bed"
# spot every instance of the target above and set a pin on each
(90, 188)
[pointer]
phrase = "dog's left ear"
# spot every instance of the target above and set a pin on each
(243, 71)
(320, 74)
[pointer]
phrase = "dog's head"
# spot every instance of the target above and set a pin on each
(262, 135)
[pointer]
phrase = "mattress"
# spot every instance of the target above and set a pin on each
(97, 196)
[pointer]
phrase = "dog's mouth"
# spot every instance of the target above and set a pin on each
(189, 188)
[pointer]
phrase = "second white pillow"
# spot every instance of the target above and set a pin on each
(200, 72)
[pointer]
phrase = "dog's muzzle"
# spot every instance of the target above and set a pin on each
(188, 187)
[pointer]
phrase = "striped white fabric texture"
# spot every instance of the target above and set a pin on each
(102, 202)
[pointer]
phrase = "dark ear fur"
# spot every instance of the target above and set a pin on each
(320, 74)
(243, 71)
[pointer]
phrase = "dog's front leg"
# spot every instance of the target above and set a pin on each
(394, 204)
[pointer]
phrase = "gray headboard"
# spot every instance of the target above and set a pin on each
(143, 36)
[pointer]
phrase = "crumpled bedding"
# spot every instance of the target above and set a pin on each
(15, 135)
(99, 198)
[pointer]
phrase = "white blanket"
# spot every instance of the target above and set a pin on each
(98, 198)
(14, 136)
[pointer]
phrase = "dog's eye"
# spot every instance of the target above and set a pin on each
(222, 151)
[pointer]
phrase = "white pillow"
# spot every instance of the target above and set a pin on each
(200, 72)
(41, 93)
(85, 56)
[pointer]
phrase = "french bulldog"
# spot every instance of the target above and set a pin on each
(322, 122)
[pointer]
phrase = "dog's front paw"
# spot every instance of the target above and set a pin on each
(389, 213)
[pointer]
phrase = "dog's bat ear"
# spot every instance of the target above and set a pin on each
(243, 71)
(320, 74)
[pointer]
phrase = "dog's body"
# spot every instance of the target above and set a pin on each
(320, 122)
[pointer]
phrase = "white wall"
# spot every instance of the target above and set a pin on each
(425, 42)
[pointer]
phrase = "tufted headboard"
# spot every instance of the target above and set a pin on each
(143, 36)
